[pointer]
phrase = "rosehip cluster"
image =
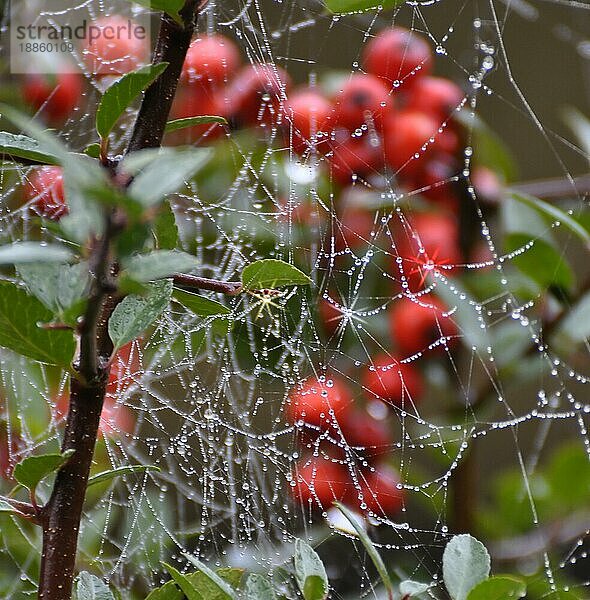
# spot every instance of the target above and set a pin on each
(334, 435)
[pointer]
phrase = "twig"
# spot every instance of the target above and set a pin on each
(231, 288)
(558, 187)
(23, 509)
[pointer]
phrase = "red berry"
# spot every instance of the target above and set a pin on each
(380, 491)
(435, 178)
(125, 368)
(115, 46)
(308, 114)
(411, 136)
(256, 94)
(399, 384)
(44, 191)
(365, 434)
(55, 96)
(210, 61)
(330, 315)
(320, 481)
(415, 325)
(398, 54)
(12, 449)
(354, 228)
(312, 400)
(436, 96)
(431, 243)
(487, 184)
(364, 98)
(351, 157)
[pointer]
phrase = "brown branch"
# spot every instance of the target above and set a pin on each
(172, 45)
(231, 288)
(23, 509)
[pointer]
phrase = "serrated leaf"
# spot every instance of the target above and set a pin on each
(150, 186)
(19, 253)
(466, 563)
(554, 214)
(201, 306)
(272, 273)
(134, 314)
(22, 146)
(33, 469)
(369, 546)
(500, 587)
(310, 572)
(159, 264)
(348, 6)
(19, 315)
(164, 229)
(177, 124)
(188, 589)
(58, 286)
(259, 587)
(413, 588)
(170, 7)
(213, 577)
(122, 93)
(120, 472)
(89, 587)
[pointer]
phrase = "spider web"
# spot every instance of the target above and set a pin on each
(208, 402)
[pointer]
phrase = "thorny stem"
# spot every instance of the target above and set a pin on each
(60, 517)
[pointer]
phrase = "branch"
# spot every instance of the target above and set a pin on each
(231, 288)
(23, 509)
(172, 45)
(555, 188)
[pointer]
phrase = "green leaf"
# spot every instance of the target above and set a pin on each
(120, 472)
(554, 214)
(500, 587)
(177, 124)
(33, 469)
(164, 229)
(122, 93)
(540, 261)
(310, 572)
(150, 186)
(348, 6)
(466, 562)
(580, 126)
(58, 286)
(6, 507)
(21, 146)
(213, 577)
(207, 589)
(90, 587)
(369, 547)
(272, 273)
(576, 324)
(92, 150)
(30, 252)
(170, 7)
(413, 588)
(134, 314)
(183, 583)
(159, 264)
(259, 587)
(201, 306)
(19, 315)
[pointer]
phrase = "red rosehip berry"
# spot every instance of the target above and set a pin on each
(314, 399)
(44, 191)
(410, 138)
(330, 315)
(351, 157)
(55, 96)
(320, 481)
(395, 383)
(256, 94)
(430, 243)
(365, 434)
(308, 115)
(436, 96)
(381, 492)
(125, 368)
(398, 54)
(210, 61)
(415, 325)
(364, 98)
(354, 228)
(12, 450)
(115, 46)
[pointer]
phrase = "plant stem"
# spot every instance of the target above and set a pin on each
(231, 288)
(60, 517)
